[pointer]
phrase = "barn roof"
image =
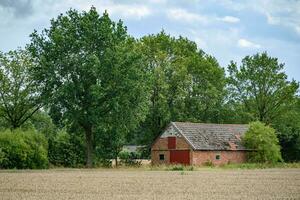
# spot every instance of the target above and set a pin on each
(212, 136)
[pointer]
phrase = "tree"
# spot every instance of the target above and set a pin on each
(186, 83)
(19, 96)
(206, 89)
(261, 86)
(287, 126)
(91, 74)
(263, 140)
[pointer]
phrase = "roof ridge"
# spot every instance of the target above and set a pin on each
(206, 123)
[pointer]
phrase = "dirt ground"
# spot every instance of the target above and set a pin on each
(162, 185)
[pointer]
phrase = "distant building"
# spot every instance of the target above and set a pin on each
(133, 148)
(198, 143)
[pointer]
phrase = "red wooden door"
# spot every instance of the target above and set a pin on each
(180, 157)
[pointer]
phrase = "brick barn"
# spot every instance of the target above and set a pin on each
(197, 143)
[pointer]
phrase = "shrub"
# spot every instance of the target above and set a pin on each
(66, 150)
(263, 140)
(129, 158)
(102, 162)
(177, 168)
(23, 150)
(180, 167)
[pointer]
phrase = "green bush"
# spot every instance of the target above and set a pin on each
(180, 167)
(129, 158)
(102, 162)
(66, 150)
(263, 141)
(23, 150)
(177, 168)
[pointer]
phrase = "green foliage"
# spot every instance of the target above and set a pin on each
(129, 158)
(102, 89)
(287, 126)
(19, 98)
(186, 84)
(42, 122)
(66, 150)
(179, 167)
(263, 141)
(290, 143)
(261, 87)
(23, 150)
(91, 74)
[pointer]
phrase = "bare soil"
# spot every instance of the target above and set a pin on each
(162, 185)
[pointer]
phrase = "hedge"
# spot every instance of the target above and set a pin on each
(23, 150)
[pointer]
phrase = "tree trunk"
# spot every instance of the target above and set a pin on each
(89, 146)
(116, 160)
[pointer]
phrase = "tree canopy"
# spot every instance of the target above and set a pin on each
(261, 85)
(91, 73)
(19, 95)
(185, 83)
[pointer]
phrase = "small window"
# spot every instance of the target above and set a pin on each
(218, 157)
(161, 157)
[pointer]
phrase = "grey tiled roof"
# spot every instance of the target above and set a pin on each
(212, 136)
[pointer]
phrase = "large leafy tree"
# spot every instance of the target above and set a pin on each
(19, 96)
(261, 87)
(186, 83)
(206, 92)
(91, 74)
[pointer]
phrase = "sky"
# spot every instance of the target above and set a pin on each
(226, 29)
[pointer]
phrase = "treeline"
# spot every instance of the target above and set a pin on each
(87, 87)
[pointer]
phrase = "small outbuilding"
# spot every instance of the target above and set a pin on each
(199, 143)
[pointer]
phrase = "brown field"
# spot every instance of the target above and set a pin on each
(139, 184)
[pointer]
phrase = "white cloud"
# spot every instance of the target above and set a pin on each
(248, 44)
(158, 1)
(183, 15)
(280, 12)
(128, 11)
(179, 14)
(122, 10)
(200, 42)
(229, 19)
(298, 29)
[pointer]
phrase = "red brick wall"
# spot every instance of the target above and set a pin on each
(196, 157)
(161, 147)
(155, 157)
(201, 157)
(162, 144)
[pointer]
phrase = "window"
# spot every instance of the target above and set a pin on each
(161, 157)
(218, 157)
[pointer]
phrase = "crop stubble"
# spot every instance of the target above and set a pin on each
(162, 185)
